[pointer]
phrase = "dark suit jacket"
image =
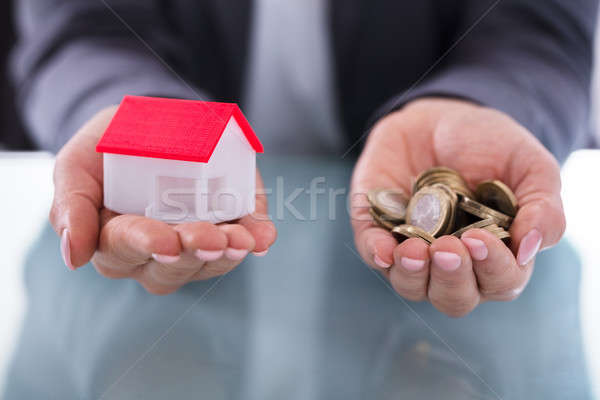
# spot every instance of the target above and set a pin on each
(12, 135)
(529, 58)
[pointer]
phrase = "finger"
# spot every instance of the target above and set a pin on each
(498, 275)
(203, 239)
(150, 280)
(376, 247)
(262, 229)
(75, 218)
(539, 224)
(540, 221)
(113, 271)
(262, 204)
(409, 275)
(239, 241)
(452, 285)
(78, 192)
(128, 241)
(374, 244)
(258, 223)
(208, 254)
(166, 276)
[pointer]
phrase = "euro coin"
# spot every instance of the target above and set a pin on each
(430, 209)
(484, 212)
(391, 203)
(498, 196)
(381, 220)
(499, 232)
(441, 204)
(443, 175)
(403, 232)
(477, 225)
(453, 208)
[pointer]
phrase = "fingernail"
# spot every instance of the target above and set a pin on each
(260, 253)
(477, 248)
(446, 261)
(411, 264)
(530, 245)
(380, 262)
(65, 249)
(209, 255)
(235, 254)
(163, 259)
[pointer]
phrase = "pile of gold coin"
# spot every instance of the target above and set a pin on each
(443, 204)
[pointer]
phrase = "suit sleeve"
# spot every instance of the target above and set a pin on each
(530, 59)
(75, 57)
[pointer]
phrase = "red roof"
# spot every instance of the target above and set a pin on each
(173, 129)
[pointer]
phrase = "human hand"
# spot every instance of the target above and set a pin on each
(456, 275)
(159, 256)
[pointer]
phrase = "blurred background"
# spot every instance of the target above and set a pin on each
(25, 179)
(12, 134)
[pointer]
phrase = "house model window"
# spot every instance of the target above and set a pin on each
(179, 160)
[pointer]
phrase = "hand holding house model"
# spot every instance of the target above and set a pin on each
(179, 160)
(130, 169)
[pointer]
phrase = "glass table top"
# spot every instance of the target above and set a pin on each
(308, 321)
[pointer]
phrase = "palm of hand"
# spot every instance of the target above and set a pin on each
(480, 144)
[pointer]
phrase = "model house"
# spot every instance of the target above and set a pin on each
(179, 160)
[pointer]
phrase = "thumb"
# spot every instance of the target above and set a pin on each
(78, 192)
(539, 224)
(540, 221)
(75, 218)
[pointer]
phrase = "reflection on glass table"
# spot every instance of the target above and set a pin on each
(308, 321)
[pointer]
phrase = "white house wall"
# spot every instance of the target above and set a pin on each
(235, 158)
(129, 181)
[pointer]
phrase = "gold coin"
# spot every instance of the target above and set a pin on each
(499, 232)
(430, 209)
(443, 175)
(498, 196)
(477, 225)
(453, 208)
(484, 212)
(389, 202)
(381, 220)
(403, 232)
(433, 174)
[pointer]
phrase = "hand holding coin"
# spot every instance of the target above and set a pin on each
(507, 205)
